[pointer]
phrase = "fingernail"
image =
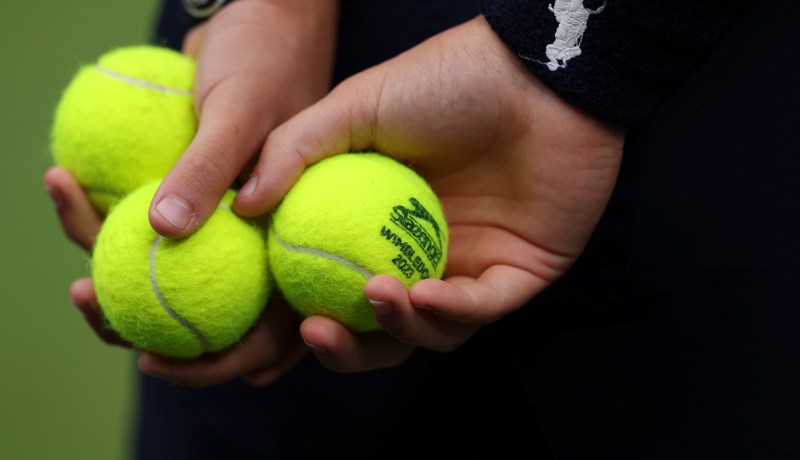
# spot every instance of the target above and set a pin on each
(249, 187)
(175, 210)
(381, 308)
(423, 307)
(56, 197)
(316, 349)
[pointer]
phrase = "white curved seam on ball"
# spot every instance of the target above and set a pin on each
(325, 255)
(142, 83)
(163, 301)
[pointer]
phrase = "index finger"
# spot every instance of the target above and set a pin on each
(78, 217)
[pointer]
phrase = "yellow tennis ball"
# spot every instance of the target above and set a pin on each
(182, 297)
(350, 217)
(125, 120)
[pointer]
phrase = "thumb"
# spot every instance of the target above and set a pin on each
(343, 121)
(241, 94)
(231, 129)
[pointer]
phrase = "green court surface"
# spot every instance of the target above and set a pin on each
(63, 393)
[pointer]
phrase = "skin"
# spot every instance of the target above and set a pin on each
(523, 177)
(254, 72)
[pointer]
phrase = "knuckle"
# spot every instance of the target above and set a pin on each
(203, 168)
(213, 168)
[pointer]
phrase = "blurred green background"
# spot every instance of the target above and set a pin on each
(63, 393)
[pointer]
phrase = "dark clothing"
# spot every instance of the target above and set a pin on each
(631, 54)
(673, 337)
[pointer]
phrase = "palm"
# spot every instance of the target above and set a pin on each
(522, 175)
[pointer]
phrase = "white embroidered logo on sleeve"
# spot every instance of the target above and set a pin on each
(572, 19)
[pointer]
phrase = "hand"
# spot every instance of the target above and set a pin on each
(258, 63)
(253, 72)
(523, 177)
(267, 352)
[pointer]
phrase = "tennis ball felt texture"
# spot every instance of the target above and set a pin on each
(184, 297)
(125, 120)
(350, 217)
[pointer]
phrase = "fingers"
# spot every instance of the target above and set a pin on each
(417, 324)
(435, 314)
(83, 296)
(79, 219)
(340, 350)
(497, 292)
(253, 72)
(232, 125)
(270, 349)
(192, 189)
(229, 133)
(333, 125)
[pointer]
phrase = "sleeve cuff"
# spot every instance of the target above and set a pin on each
(614, 59)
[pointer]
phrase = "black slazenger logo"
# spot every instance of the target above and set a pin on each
(419, 226)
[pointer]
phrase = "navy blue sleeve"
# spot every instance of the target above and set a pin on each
(616, 58)
(172, 24)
